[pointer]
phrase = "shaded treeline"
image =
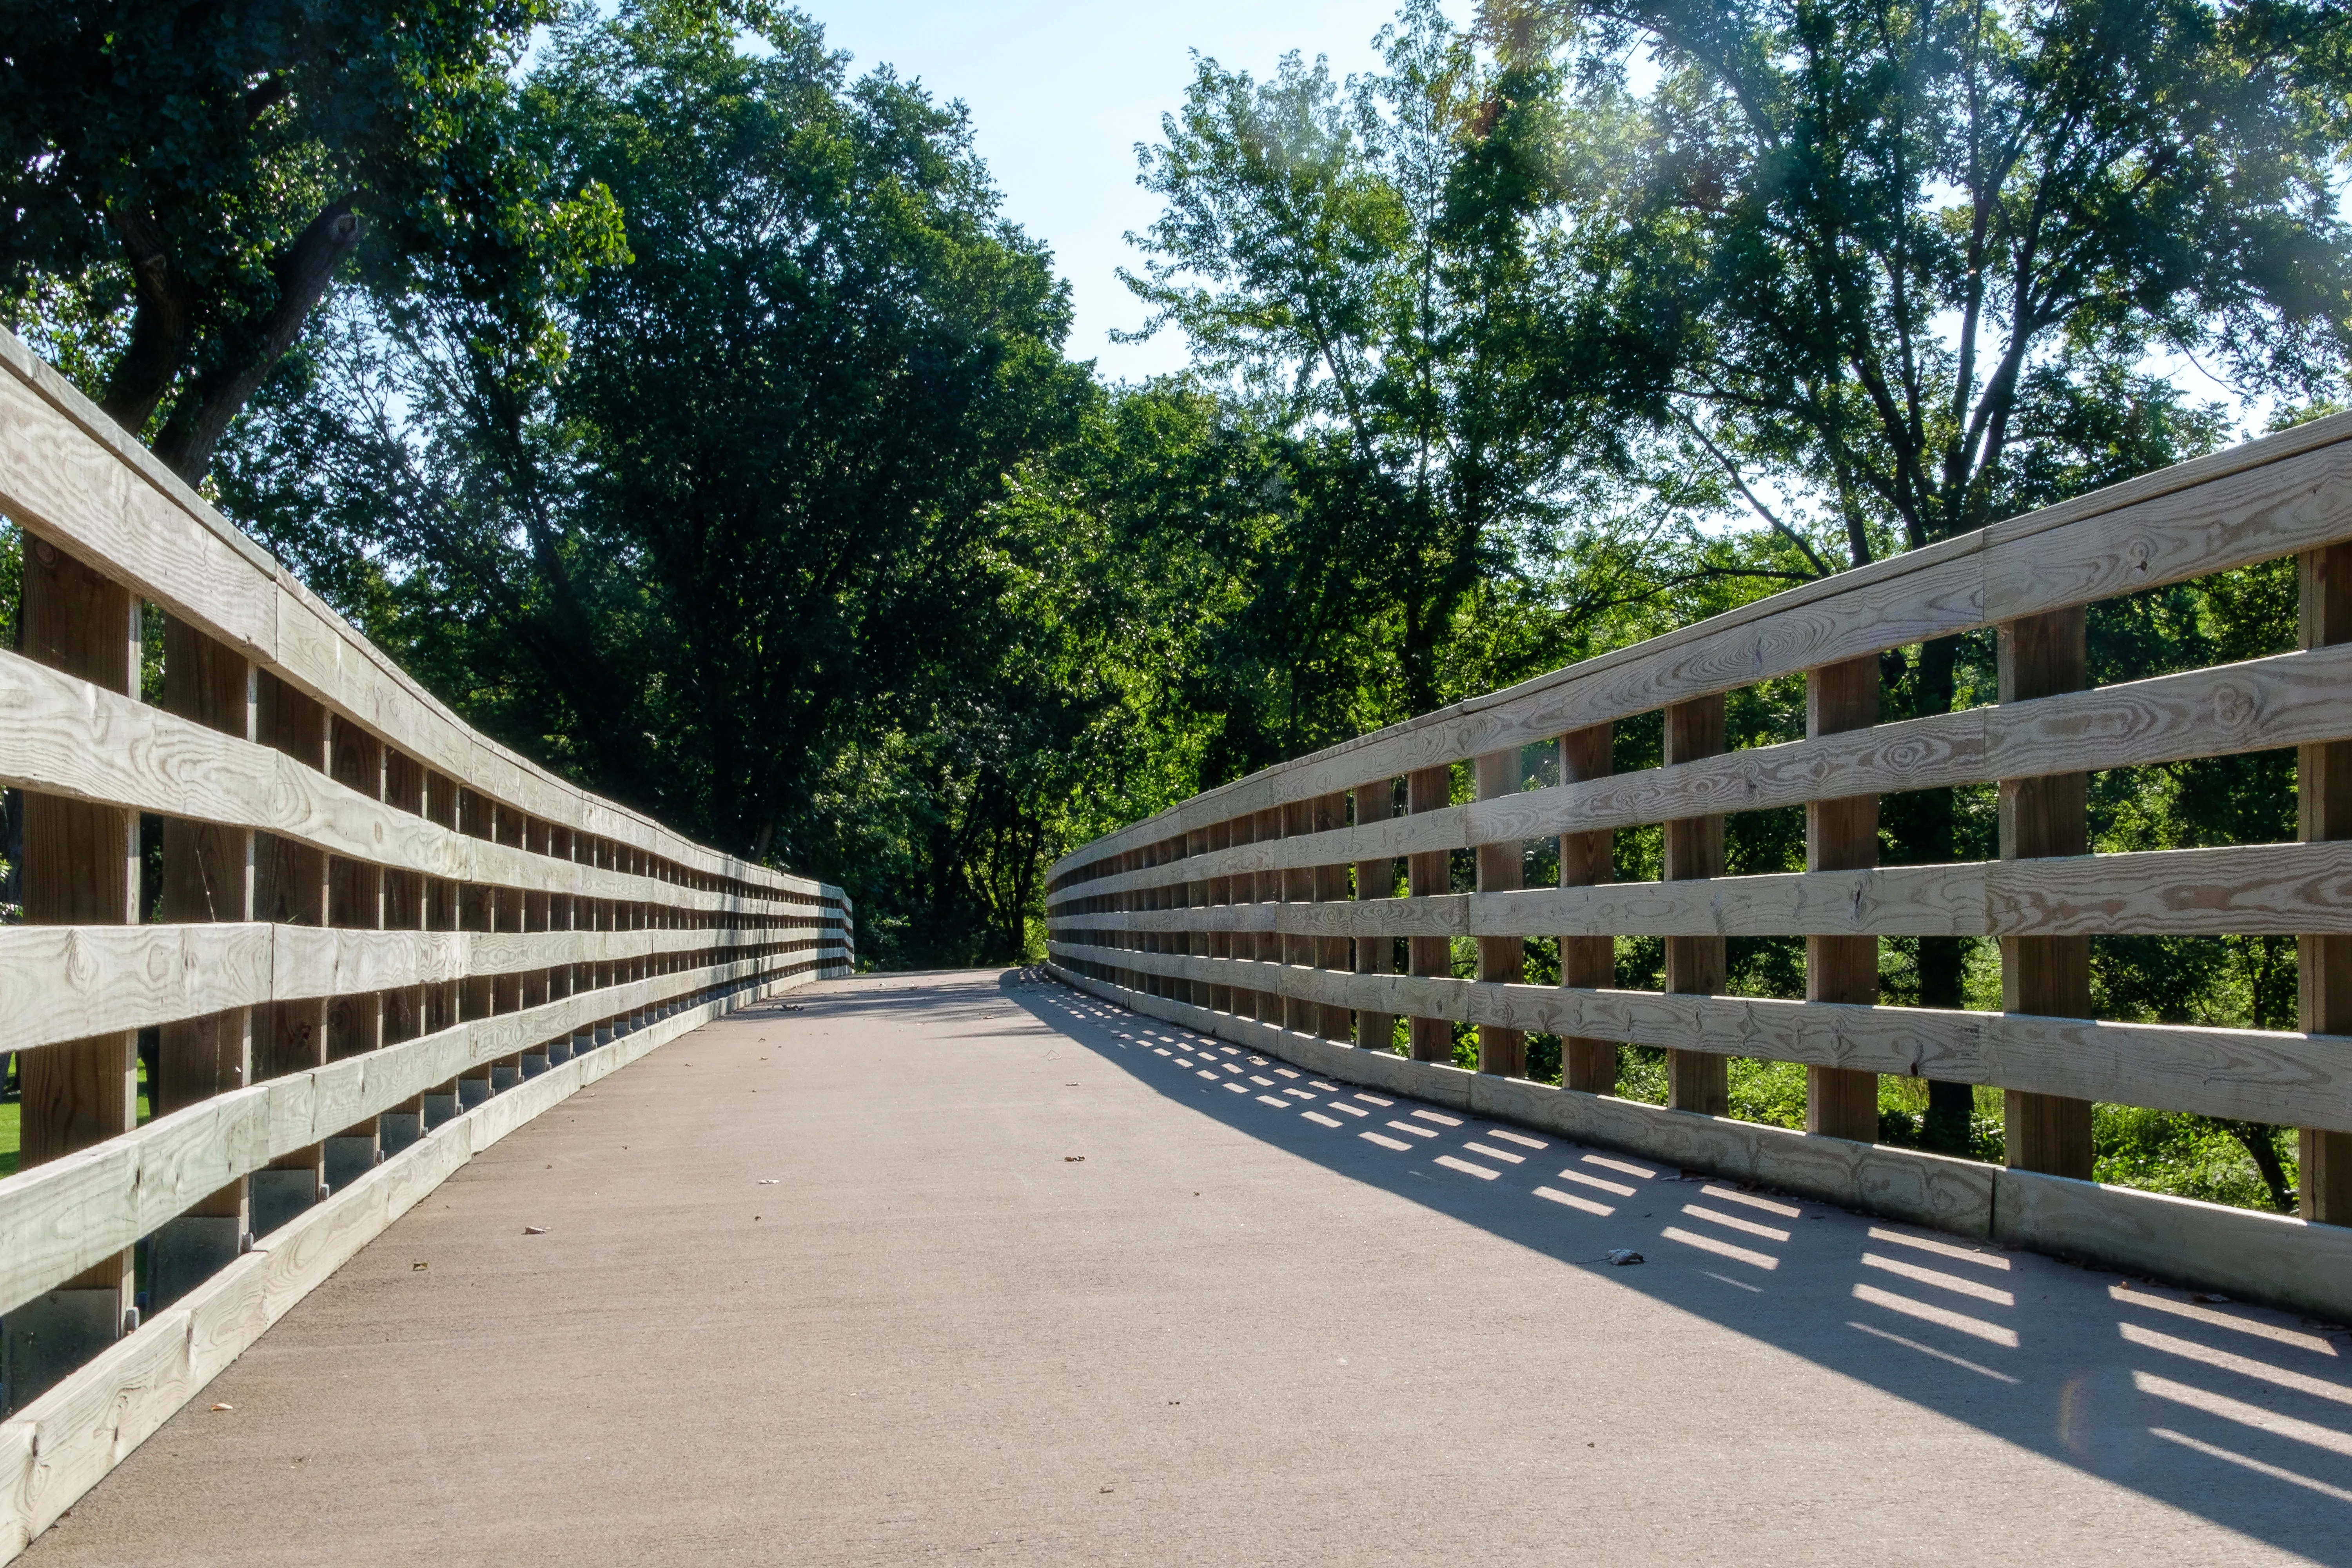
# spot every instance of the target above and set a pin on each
(679, 405)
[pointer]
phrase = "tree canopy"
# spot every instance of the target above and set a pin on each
(180, 185)
(682, 407)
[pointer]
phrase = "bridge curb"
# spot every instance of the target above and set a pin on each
(65, 1441)
(2271, 1260)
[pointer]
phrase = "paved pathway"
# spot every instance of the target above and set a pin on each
(1035, 1284)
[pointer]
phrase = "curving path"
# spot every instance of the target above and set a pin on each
(1036, 1284)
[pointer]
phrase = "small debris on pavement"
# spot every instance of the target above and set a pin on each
(415, 1267)
(2208, 1298)
(225, 1408)
(1622, 1255)
(1081, 1159)
(770, 1181)
(534, 1230)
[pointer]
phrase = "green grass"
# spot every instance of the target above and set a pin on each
(12, 1122)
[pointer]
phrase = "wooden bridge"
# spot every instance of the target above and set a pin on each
(1165, 1250)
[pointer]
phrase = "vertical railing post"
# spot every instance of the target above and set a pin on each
(583, 852)
(508, 827)
(290, 889)
(207, 877)
(1375, 803)
(1196, 898)
(476, 912)
(1429, 874)
(445, 910)
(1327, 883)
(2043, 655)
(563, 979)
(1269, 1008)
(1695, 965)
(1587, 962)
(1222, 998)
(538, 911)
(2324, 811)
(80, 867)
(1502, 867)
(1841, 835)
(407, 906)
(355, 902)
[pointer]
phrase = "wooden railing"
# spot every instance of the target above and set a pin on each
(370, 920)
(1263, 910)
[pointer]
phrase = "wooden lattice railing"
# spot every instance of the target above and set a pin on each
(1265, 910)
(371, 920)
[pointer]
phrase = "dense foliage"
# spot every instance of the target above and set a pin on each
(683, 408)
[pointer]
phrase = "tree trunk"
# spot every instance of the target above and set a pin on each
(186, 446)
(159, 326)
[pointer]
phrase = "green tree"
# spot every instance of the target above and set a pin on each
(180, 185)
(1896, 270)
(1358, 263)
(737, 558)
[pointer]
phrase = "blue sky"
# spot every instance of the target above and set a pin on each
(1060, 93)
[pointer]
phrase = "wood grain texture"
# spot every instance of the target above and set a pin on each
(2235, 889)
(2264, 498)
(69, 740)
(80, 867)
(2284, 700)
(1428, 875)
(1587, 959)
(1375, 803)
(1841, 835)
(2253, 1257)
(2324, 812)
(1502, 867)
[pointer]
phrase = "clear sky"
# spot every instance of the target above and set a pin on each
(1060, 92)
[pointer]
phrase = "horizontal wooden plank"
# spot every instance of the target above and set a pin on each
(67, 737)
(2249, 890)
(2254, 512)
(61, 1217)
(73, 476)
(2276, 1261)
(2268, 497)
(2251, 1075)
(2232, 890)
(1900, 900)
(68, 983)
(2290, 699)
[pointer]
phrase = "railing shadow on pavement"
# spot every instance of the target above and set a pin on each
(2240, 1414)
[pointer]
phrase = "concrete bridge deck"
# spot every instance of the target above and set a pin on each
(1036, 1283)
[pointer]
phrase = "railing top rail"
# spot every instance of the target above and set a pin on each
(70, 474)
(2285, 493)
